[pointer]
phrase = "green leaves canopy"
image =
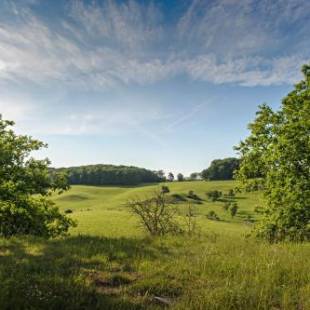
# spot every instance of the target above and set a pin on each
(25, 184)
(276, 157)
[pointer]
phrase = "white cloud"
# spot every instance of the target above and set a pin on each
(102, 46)
(15, 108)
(247, 71)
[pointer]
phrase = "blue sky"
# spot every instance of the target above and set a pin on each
(163, 85)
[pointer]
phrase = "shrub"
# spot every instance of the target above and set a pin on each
(193, 196)
(213, 216)
(165, 189)
(156, 215)
(180, 177)
(249, 219)
(214, 195)
(176, 198)
(231, 193)
(67, 211)
(234, 209)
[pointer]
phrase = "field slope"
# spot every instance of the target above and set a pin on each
(109, 262)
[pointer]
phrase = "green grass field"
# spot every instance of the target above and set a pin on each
(109, 261)
(101, 211)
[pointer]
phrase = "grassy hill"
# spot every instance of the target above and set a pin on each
(101, 210)
(109, 262)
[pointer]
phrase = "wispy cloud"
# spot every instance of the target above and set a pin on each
(186, 116)
(104, 45)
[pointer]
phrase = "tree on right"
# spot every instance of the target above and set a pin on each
(276, 157)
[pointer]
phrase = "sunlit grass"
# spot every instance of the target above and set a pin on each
(109, 262)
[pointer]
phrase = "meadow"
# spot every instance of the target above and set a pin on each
(110, 262)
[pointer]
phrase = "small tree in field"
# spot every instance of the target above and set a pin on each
(156, 215)
(170, 177)
(25, 184)
(233, 209)
(165, 189)
(180, 177)
(194, 176)
(276, 157)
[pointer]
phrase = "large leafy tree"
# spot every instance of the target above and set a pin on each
(276, 157)
(25, 184)
(221, 169)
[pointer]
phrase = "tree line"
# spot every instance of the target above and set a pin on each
(101, 174)
(110, 175)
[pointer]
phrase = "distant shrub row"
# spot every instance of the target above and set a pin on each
(110, 175)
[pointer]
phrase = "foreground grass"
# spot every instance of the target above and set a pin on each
(109, 263)
(207, 272)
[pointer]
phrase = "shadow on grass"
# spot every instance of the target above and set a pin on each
(55, 274)
(121, 185)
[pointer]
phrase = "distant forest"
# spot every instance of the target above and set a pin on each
(220, 169)
(110, 175)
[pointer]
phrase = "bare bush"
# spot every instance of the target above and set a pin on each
(157, 216)
(190, 222)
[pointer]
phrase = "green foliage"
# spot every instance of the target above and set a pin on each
(214, 195)
(177, 198)
(161, 175)
(111, 175)
(192, 195)
(233, 209)
(194, 176)
(276, 157)
(221, 169)
(180, 177)
(170, 176)
(165, 189)
(24, 185)
(213, 216)
(231, 193)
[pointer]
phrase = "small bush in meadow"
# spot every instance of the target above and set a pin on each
(234, 209)
(193, 196)
(214, 195)
(231, 193)
(165, 189)
(156, 214)
(213, 216)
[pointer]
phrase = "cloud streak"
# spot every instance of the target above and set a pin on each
(102, 46)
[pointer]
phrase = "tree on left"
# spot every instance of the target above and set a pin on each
(25, 187)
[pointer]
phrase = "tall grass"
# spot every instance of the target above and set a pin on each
(108, 262)
(207, 272)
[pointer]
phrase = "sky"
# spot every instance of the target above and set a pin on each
(164, 84)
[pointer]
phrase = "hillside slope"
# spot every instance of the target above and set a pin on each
(101, 210)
